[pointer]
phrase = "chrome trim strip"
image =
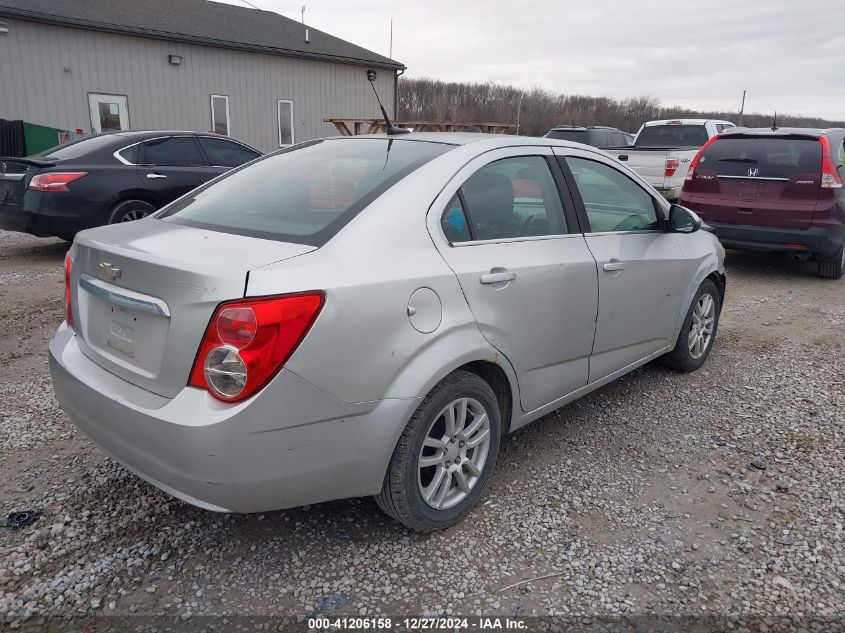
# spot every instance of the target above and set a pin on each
(506, 240)
(753, 178)
(12, 176)
(640, 232)
(196, 136)
(123, 298)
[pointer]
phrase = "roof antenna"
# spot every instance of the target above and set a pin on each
(775, 122)
(392, 130)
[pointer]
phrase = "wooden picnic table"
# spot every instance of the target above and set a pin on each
(354, 127)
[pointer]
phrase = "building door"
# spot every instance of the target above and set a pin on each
(109, 113)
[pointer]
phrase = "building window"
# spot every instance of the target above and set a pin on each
(220, 114)
(285, 111)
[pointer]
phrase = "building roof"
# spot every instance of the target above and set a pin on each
(198, 22)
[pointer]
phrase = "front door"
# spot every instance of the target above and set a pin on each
(109, 113)
(524, 268)
(642, 270)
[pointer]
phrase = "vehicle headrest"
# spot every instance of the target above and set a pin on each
(490, 197)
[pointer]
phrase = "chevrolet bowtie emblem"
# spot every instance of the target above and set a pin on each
(109, 272)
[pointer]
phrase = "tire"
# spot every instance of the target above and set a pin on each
(686, 357)
(406, 480)
(833, 267)
(130, 210)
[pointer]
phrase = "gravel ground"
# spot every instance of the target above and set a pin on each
(715, 494)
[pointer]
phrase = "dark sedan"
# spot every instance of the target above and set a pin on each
(109, 178)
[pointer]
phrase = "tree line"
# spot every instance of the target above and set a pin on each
(539, 110)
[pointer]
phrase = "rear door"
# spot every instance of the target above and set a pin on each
(642, 272)
(171, 166)
(769, 181)
(524, 267)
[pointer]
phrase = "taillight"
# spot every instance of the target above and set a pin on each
(55, 181)
(68, 304)
(247, 341)
(830, 177)
(698, 156)
(672, 165)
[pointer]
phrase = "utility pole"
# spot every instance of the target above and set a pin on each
(390, 54)
(742, 108)
(519, 110)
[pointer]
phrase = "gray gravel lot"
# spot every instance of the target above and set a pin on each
(719, 493)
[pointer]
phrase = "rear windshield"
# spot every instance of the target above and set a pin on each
(75, 149)
(763, 157)
(576, 136)
(305, 194)
(672, 136)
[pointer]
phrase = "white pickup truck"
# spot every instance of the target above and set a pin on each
(662, 151)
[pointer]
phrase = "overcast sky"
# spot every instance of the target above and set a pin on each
(788, 54)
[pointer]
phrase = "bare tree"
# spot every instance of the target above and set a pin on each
(540, 110)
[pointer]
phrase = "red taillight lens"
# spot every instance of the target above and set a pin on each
(698, 156)
(672, 165)
(830, 176)
(68, 304)
(56, 181)
(249, 340)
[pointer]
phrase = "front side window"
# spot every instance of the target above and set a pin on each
(509, 198)
(613, 201)
(223, 153)
(285, 112)
(305, 194)
(172, 151)
(220, 114)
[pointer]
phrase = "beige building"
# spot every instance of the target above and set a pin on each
(182, 64)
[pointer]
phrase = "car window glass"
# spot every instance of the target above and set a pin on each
(454, 221)
(672, 135)
(613, 201)
(130, 154)
(762, 157)
(513, 197)
(172, 151)
(223, 153)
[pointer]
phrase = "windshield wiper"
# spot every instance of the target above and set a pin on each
(737, 160)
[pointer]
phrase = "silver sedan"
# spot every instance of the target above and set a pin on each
(370, 315)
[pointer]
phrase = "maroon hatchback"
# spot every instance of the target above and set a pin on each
(774, 189)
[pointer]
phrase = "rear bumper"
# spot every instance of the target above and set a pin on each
(815, 240)
(290, 445)
(670, 193)
(37, 216)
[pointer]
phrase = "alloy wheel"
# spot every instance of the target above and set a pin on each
(702, 326)
(453, 453)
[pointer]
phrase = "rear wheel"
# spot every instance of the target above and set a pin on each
(833, 267)
(130, 210)
(445, 455)
(698, 332)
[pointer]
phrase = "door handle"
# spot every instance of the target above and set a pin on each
(154, 176)
(612, 265)
(492, 278)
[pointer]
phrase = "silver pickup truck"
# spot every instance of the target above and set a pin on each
(663, 150)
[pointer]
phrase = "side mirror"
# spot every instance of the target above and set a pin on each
(682, 220)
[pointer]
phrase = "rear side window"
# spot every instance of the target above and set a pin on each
(223, 153)
(305, 194)
(762, 157)
(670, 135)
(512, 197)
(172, 151)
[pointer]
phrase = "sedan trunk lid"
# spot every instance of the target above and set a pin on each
(144, 291)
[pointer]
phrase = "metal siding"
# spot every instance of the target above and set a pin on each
(162, 96)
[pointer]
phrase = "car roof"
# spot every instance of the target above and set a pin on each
(780, 131)
(684, 122)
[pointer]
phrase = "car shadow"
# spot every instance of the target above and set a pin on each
(27, 249)
(770, 264)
